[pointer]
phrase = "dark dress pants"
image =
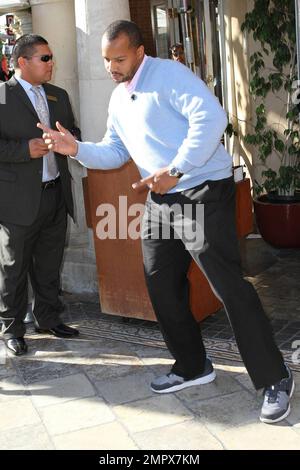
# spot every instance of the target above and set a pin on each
(167, 260)
(36, 250)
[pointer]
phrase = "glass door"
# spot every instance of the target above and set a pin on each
(196, 26)
(160, 27)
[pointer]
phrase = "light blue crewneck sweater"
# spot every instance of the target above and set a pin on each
(174, 119)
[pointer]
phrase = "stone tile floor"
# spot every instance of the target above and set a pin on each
(93, 392)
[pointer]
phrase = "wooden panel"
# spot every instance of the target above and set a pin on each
(244, 213)
(121, 280)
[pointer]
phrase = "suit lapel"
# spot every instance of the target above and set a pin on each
(18, 90)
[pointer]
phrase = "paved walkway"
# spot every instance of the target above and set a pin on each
(93, 392)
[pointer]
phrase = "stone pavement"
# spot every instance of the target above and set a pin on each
(93, 392)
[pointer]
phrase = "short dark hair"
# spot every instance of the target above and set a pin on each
(25, 45)
(129, 28)
(176, 46)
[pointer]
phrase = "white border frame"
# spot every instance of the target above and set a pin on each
(297, 10)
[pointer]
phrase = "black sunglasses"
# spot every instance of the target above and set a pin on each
(43, 58)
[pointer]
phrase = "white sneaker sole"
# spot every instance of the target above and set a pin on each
(285, 415)
(189, 383)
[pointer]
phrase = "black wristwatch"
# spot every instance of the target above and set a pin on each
(173, 171)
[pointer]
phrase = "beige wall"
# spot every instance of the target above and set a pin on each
(237, 57)
(275, 103)
(55, 20)
(239, 47)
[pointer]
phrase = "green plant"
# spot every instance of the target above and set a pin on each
(273, 25)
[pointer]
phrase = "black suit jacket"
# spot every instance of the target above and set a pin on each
(21, 176)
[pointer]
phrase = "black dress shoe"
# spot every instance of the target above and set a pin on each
(62, 331)
(16, 345)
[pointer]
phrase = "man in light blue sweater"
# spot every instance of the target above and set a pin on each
(165, 118)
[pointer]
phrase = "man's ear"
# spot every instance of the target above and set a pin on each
(21, 62)
(141, 51)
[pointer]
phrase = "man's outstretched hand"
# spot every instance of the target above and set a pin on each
(61, 141)
(160, 182)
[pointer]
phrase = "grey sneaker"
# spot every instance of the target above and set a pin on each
(276, 405)
(172, 382)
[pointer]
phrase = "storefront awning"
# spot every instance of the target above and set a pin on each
(8, 6)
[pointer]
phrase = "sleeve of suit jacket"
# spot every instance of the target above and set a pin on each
(11, 150)
(14, 151)
(17, 150)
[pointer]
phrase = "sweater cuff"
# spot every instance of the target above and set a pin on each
(184, 166)
(77, 156)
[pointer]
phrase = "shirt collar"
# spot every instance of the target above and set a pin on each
(26, 85)
(130, 86)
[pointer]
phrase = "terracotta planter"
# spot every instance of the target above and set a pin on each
(278, 223)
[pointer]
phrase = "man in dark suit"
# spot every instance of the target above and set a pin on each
(35, 195)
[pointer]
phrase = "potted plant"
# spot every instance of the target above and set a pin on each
(274, 72)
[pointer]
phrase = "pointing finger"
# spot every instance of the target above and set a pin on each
(143, 183)
(43, 127)
(61, 128)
